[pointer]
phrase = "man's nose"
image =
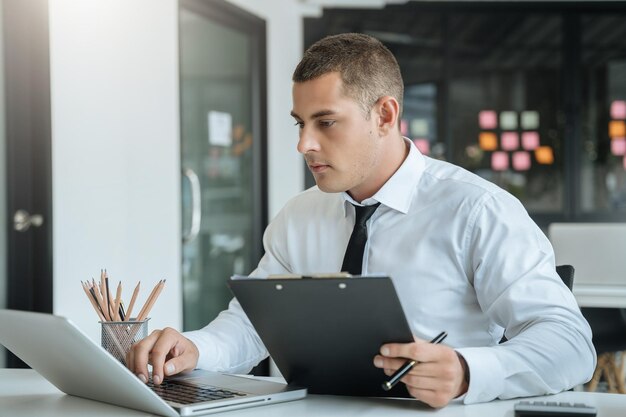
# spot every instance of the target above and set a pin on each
(307, 142)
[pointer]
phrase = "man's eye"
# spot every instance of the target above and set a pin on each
(299, 124)
(326, 123)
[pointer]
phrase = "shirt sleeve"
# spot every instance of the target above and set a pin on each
(229, 343)
(549, 346)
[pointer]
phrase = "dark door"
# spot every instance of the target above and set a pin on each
(26, 202)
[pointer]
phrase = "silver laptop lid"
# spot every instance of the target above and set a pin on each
(66, 357)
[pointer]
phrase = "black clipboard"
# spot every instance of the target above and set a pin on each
(323, 333)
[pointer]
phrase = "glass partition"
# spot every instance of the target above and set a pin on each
(528, 95)
(603, 131)
(504, 97)
(222, 143)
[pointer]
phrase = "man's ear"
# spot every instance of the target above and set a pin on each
(388, 110)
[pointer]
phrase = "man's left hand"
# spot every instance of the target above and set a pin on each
(437, 377)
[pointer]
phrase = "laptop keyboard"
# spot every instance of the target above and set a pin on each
(188, 394)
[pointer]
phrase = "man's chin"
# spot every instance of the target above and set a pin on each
(328, 188)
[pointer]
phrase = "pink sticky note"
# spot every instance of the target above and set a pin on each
(618, 109)
(404, 127)
(521, 161)
(423, 145)
(487, 119)
(499, 161)
(618, 146)
(509, 141)
(530, 140)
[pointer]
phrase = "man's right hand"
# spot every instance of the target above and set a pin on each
(168, 351)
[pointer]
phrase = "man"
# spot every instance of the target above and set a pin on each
(463, 254)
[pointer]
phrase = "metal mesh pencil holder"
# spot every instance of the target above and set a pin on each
(118, 336)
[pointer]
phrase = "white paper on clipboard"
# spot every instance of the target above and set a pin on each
(220, 128)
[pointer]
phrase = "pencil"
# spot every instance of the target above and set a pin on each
(92, 292)
(108, 295)
(400, 373)
(102, 300)
(96, 291)
(145, 303)
(103, 293)
(116, 303)
(92, 301)
(132, 301)
(153, 297)
(122, 312)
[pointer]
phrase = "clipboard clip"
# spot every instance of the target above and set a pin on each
(311, 276)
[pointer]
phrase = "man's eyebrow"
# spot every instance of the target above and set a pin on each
(315, 115)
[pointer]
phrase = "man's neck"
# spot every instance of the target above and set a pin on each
(391, 162)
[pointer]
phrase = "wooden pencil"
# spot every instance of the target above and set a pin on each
(103, 302)
(109, 296)
(103, 293)
(92, 292)
(116, 303)
(132, 302)
(98, 293)
(93, 303)
(153, 299)
(142, 314)
(145, 304)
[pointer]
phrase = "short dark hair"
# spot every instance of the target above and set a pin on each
(367, 68)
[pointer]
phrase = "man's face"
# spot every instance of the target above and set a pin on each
(341, 146)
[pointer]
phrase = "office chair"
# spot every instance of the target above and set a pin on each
(609, 337)
(566, 272)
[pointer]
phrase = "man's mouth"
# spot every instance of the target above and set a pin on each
(317, 167)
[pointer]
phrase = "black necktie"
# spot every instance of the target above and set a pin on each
(353, 259)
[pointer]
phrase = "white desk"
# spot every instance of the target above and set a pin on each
(25, 393)
(595, 250)
(607, 296)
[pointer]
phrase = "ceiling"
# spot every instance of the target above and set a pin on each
(481, 36)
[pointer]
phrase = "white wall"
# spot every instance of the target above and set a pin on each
(115, 143)
(284, 47)
(115, 152)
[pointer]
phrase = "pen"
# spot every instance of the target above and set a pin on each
(397, 376)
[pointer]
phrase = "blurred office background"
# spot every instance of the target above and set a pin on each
(153, 138)
(530, 96)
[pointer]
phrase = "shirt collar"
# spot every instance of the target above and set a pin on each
(397, 193)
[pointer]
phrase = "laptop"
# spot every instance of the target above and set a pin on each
(66, 357)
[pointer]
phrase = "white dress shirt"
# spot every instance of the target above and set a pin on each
(464, 257)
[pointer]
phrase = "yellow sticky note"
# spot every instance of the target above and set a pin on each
(488, 141)
(617, 128)
(544, 155)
